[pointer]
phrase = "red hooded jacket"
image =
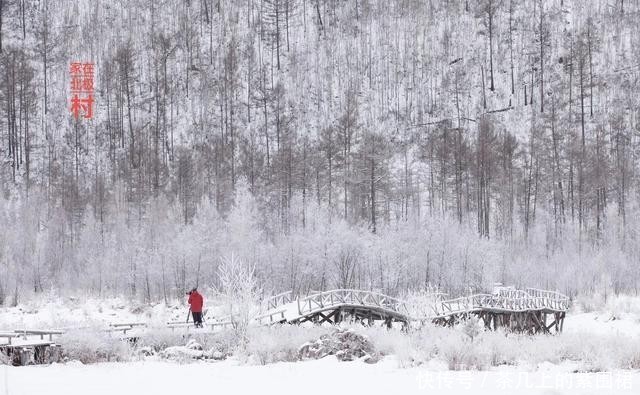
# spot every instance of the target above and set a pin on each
(196, 302)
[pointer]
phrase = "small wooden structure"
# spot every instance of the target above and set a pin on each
(27, 346)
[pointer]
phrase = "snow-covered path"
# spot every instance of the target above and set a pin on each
(313, 377)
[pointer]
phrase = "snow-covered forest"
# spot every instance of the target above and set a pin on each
(390, 145)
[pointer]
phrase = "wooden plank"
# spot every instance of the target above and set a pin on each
(130, 324)
(9, 336)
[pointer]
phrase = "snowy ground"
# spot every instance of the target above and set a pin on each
(312, 377)
(71, 312)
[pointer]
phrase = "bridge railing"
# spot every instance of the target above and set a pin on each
(535, 292)
(279, 300)
(322, 300)
(508, 301)
(512, 293)
(271, 317)
(504, 300)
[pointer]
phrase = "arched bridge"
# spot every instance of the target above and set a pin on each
(531, 310)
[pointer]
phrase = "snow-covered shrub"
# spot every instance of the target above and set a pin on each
(454, 347)
(629, 357)
(410, 349)
(590, 302)
(4, 359)
(161, 338)
(623, 304)
(219, 344)
(216, 345)
(192, 350)
(239, 293)
(387, 342)
(278, 343)
(91, 346)
(600, 353)
(461, 354)
(471, 327)
(499, 349)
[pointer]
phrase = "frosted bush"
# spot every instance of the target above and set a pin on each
(615, 305)
(462, 354)
(623, 304)
(4, 359)
(91, 346)
(590, 352)
(239, 293)
(471, 327)
(223, 343)
(278, 343)
(590, 303)
(388, 342)
(161, 338)
(629, 356)
(499, 350)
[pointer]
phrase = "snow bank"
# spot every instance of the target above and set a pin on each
(310, 378)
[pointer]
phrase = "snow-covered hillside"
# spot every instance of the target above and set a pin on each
(380, 144)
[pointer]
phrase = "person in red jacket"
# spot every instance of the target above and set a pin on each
(195, 302)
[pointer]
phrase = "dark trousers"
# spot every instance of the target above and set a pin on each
(197, 318)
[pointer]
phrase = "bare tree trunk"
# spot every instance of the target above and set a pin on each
(45, 51)
(541, 58)
(1, 12)
(513, 90)
(582, 152)
(372, 186)
(491, 88)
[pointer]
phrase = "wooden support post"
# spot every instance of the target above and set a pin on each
(24, 356)
(388, 322)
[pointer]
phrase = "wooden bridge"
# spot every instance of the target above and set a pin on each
(528, 311)
(525, 311)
